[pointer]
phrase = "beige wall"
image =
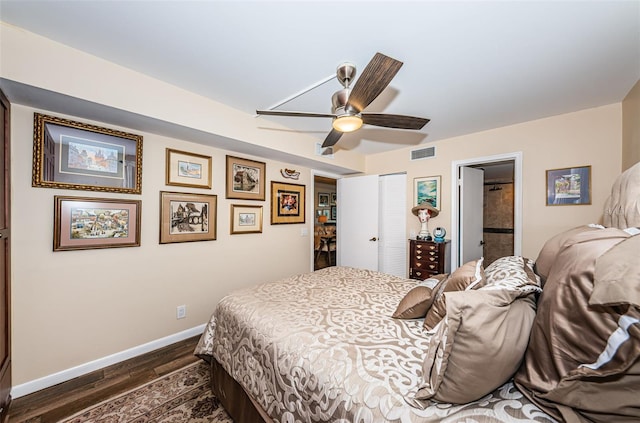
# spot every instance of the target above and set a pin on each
(631, 128)
(72, 307)
(590, 137)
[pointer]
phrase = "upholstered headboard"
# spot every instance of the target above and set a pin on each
(622, 208)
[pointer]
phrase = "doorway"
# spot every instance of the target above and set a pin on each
(501, 219)
(324, 221)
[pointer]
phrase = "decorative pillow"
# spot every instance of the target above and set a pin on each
(466, 277)
(513, 273)
(583, 361)
(478, 346)
(417, 302)
(552, 247)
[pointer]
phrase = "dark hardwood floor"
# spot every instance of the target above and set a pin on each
(54, 403)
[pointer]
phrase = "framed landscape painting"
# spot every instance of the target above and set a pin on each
(569, 186)
(83, 223)
(245, 179)
(246, 219)
(188, 169)
(427, 189)
(76, 155)
(187, 217)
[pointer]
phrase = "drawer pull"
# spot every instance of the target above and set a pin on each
(431, 266)
(418, 264)
(418, 273)
(418, 257)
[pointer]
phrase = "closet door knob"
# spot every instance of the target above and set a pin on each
(373, 239)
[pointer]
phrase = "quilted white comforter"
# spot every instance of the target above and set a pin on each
(323, 347)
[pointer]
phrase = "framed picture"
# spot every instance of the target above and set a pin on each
(287, 203)
(334, 196)
(245, 179)
(246, 219)
(82, 223)
(188, 169)
(427, 189)
(323, 199)
(334, 212)
(569, 186)
(75, 155)
(187, 217)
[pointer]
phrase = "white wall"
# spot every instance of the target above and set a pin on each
(589, 137)
(72, 307)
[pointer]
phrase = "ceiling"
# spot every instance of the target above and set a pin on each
(468, 66)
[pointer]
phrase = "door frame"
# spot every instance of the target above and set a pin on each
(516, 157)
(311, 213)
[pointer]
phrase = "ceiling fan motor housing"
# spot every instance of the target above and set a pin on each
(346, 73)
(339, 100)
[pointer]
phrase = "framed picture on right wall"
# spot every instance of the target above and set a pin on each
(569, 186)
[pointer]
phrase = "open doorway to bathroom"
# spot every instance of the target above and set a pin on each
(497, 191)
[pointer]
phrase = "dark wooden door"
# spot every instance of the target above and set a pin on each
(5, 295)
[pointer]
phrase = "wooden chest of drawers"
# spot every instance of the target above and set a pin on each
(428, 258)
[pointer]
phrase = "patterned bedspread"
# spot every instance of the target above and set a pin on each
(322, 347)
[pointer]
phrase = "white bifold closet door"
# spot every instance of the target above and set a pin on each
(372, 223)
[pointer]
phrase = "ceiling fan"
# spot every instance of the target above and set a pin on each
(348, 103)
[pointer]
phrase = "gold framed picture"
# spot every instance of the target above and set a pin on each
(76, 155)
(188, 169)
(187, 217)
(246, 219)
(287, 203)
(245, 179)
(83, 223)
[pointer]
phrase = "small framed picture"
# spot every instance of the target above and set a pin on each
(188, 169)
(246, 219)
(287, 203)
(75, 155)
(334, 212)
(245, 179)
(427, 189)
(334, 197)
(83, 223)
(323, 199)
(569, 186)
(187, 217)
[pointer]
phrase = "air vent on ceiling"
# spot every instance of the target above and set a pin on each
(423, 153)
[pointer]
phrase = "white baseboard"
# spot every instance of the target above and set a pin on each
(65, 375)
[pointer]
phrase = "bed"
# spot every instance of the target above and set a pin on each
(517, 341)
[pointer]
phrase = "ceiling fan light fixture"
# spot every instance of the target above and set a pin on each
(347, 123)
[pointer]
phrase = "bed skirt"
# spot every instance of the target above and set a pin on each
(233, 397)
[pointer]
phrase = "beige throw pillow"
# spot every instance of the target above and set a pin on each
(417, 302)
(468, 276)
(478, 346)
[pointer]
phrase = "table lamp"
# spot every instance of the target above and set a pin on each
(424, 211)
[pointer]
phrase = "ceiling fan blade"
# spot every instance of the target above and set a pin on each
(373, 80)
(296, 114)
(394, 121)
(332, 138)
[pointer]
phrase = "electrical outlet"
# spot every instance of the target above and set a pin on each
(181, 312)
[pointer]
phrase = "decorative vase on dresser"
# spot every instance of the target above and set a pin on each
(428, 258)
